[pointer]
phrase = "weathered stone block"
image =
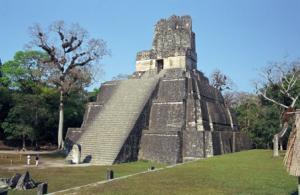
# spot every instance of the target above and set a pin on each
(167, 116)
(159, 147)
(193, 144)
(171, 90)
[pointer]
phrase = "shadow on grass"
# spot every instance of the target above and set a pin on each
(295, 192)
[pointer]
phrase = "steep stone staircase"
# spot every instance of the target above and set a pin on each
(91, 112)
(105, 135)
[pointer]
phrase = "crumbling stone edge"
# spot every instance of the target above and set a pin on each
(71, 190)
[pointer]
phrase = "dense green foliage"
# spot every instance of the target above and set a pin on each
(5, 105)
(260, 121)
(29, 104)
(260, 118)
(24, 70)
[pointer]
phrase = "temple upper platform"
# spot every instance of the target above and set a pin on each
(173, 46)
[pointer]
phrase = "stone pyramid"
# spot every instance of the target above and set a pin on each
(166, 112)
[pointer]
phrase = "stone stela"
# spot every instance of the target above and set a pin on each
(166, 112)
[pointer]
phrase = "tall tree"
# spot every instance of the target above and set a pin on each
(71, 55)
(0, 68)
(280, 85)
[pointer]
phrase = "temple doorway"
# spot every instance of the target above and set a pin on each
(159, 65)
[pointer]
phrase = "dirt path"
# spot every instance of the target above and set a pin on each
(45, 161)
(45, 164)
(27, 152)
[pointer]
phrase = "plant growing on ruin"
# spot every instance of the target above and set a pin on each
(225, 85)
(71, 59)
(220, 81)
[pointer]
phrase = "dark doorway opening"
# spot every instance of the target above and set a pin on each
(159, 65)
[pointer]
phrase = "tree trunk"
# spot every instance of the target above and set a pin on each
(298, 185)
(23, 142)
(61, 121)
(281, 145)
(275, 145)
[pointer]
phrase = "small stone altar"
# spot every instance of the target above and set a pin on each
(76, 154)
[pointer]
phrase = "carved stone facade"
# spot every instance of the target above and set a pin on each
(188, 120)
(173, 46)
(180, 116)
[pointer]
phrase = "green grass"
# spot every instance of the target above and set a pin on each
(249, 172)
(67, 177)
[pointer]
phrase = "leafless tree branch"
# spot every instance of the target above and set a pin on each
(71, 51)
(283, 75)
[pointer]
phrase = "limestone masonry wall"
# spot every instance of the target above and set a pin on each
(177, 117)
(189, 116)
(161, 147)
(173, 42)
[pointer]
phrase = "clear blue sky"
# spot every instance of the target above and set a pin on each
(236, 36)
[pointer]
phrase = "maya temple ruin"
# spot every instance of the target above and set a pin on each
(165, 112)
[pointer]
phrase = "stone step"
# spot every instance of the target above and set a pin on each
(105, 135)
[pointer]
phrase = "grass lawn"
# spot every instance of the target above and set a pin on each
(66, 177)
(249, 172)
